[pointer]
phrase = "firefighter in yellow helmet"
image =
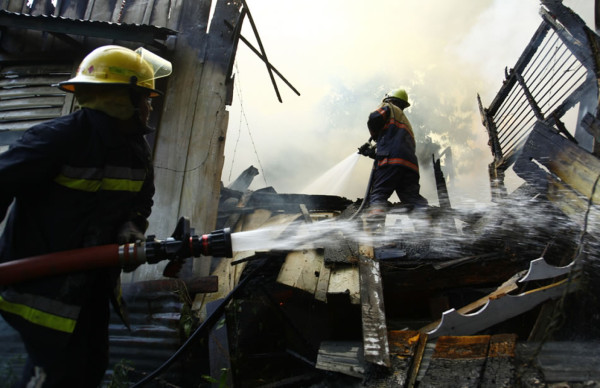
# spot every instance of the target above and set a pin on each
(81, 180)
(396, 165)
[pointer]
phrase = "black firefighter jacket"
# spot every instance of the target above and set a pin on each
(74, 181)
(390, 128)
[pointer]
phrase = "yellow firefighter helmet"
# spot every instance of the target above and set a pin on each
(117, 65)
(399, 94)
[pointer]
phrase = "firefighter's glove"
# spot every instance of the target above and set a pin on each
(367, 150)
(129, 232)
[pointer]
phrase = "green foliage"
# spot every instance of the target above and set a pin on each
(187, 319)
(120, 374)
(222, 381)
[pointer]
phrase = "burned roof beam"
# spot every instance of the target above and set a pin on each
(255, 51)
(262, 49)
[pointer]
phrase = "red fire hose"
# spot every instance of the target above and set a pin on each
(58, 263)
(217, 243)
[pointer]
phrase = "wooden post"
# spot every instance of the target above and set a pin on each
(189, 152)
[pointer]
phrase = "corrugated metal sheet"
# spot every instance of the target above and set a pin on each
(121, 31)
(154, 309)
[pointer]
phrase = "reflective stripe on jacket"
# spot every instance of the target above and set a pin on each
(390, 128)
(34, 309)
(108, 178)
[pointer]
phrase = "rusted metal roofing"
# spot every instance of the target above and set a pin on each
(142, 33)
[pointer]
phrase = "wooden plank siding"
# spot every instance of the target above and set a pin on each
(190, 156)
(27, 96)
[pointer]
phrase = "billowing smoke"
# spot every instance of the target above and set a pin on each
(343, 57)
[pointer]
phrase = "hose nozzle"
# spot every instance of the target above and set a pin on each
(217, 243)
(367, 150)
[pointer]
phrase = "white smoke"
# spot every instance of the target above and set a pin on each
(343, 57)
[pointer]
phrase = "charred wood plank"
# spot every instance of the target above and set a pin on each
(566, 172)
(374, 325)
(290, 202)
(440, 183)
(579, 209)
(343, 357)
(562, 360)
(418, 360)
(344, 285)
(323, 283)
(305, 213)
(403, 346)
(301, 270)
(344, 251)
(500, 365)
(592, 125)
(457, 362)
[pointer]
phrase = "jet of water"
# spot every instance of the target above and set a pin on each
(334, 179)
(322, 234)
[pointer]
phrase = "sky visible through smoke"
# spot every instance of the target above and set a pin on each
(343, 56)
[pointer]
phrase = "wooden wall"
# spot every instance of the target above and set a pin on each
(191, 132)
(189, 153)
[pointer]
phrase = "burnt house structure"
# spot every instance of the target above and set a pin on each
(500, 297)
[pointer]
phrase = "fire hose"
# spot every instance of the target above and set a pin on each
(182, 245)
